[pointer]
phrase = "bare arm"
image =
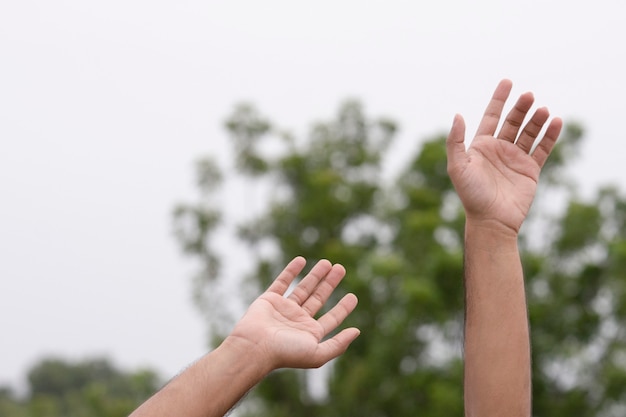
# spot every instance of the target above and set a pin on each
(496, 179)
(497, 351)
(275, 332)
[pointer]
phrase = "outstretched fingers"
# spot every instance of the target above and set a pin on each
(543, 149)
(515, 118)
(286, 277)
(324, 289)
(336, 345)
(307, 287)
(336, 315)
(531, 130)
(314, 289)
(491, 117)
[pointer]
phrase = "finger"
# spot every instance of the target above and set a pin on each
(308, 284)
(516, 117)
(286, 277)
(492, 114)
(455, 143)
(543, 149)
(324, 289)
(334, 347)
(531, 130)
(336, 315)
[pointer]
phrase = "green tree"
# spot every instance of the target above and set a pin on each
(89, 388)
(398, 230)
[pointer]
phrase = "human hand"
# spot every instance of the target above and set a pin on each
(282, 330)
(496, 178)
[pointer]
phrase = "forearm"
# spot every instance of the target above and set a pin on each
(497, 350)
(208, 388)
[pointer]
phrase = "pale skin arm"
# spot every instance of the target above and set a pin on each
(276, 332)
(496, 179)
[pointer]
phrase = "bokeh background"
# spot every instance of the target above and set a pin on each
(105, 106)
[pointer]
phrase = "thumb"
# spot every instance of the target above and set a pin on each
(334, 347)
(455, 144)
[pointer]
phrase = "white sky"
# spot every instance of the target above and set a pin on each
(105, 105)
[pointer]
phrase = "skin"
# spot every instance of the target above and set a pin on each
(496, 180)
(276, 332)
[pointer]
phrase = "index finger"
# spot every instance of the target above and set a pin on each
(491, 117)
(286, 277)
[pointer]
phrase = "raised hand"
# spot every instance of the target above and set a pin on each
(496, 178)
(283, 330)
(275, 332)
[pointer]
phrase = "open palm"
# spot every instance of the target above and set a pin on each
(496, 178)
(283, 329)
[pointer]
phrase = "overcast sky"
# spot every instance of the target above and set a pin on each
(104, 106)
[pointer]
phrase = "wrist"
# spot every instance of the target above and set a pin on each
(490, 234)
(246, 356)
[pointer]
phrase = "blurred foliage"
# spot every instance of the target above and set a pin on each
(397, 227)
(89, 388)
